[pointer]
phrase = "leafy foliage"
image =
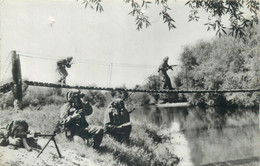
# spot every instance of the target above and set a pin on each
(97, 98)
(166, 16)
(138, 11)
(94, 4)
(216, 9)
(141, 18)
(225, 63)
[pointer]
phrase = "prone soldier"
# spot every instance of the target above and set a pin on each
(11, 135)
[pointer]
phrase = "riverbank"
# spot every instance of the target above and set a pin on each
(179, 104)
(144, 147)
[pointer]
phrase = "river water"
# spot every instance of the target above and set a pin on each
(209, 135)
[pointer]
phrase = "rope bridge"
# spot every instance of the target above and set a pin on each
(16, 84)
(8, 87)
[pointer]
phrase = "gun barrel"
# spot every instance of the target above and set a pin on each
(46, 135)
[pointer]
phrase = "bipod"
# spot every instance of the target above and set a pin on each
(56, 146)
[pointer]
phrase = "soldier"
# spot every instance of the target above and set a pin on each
(163, 73)
(61, 68)
(10, 135)
(117, 121)
(73, 118)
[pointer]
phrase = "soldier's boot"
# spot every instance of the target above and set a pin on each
(63, 82)
(98, 139)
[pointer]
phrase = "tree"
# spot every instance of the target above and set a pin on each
(226, 63)
(154, 82)
(216, 9)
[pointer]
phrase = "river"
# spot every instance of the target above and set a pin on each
(208, 135)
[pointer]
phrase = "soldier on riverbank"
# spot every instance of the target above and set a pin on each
(73, 118)
(117, 121)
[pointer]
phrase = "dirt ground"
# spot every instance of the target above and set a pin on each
(21, 157)
(9, 156)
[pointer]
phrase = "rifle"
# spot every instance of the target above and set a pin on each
(171, 66)
(24, 136)
(131, 111)
(125, 124)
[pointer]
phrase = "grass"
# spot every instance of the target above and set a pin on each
(143, 149)
(147, 146)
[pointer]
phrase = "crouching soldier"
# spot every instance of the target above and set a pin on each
(15, 134)
(73, 118)
(117, 121)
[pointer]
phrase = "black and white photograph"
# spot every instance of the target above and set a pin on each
(129, 83)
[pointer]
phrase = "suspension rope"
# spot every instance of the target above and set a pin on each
(80, 60)
(6, 71)
(140, 85)
(37, 54)
(29, 56)
(7, 57)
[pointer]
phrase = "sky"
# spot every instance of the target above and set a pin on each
(106, 47)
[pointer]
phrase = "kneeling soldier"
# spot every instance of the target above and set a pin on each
(73, 118)
(117, 121)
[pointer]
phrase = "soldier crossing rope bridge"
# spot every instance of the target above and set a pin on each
(16, 84)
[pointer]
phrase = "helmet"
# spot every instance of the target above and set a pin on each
(69, 58)
(166, 59)
(119, 103)
(17, 126)
(74, 93)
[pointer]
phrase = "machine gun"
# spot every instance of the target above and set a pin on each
(24, 136)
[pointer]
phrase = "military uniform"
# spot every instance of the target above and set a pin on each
(163, 74)
(61, 68)
(79, 126)
(8, 134)
(117, 121)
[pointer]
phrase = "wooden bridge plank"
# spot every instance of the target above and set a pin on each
(32, 83)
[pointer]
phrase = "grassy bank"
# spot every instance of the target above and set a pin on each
(146, 146)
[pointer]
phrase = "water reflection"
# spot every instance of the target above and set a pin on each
(212, 134)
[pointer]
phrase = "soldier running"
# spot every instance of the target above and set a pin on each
(73, 118)
(163, 73)
(117, 121)
(61, 68)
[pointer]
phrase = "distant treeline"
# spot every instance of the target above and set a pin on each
(223, 63)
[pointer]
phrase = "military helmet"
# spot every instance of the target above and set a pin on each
(69, 58)
(74, 93)
(166, 58)
(119, 103)
(17, 126)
